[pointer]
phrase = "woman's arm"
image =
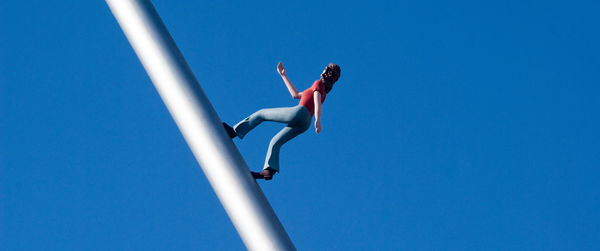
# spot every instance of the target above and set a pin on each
(317, 98)
(295, 94)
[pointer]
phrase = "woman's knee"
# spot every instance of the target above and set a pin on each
(260, 114)
(255, 117)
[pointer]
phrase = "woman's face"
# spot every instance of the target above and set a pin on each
(324, 73)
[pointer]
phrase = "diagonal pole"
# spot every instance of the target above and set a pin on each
(221, 161)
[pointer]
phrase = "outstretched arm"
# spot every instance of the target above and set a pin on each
(317, 98)
(293, 91)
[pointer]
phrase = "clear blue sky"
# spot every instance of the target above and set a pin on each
(455, 125)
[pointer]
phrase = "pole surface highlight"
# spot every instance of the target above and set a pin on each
(243, 200)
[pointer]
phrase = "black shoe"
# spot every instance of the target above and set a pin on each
(232, 134)
(266, 174)
(256, 175)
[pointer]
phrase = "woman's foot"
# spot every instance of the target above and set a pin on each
(266, 174)
(232, 134)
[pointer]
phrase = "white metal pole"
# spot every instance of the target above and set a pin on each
(222, 163)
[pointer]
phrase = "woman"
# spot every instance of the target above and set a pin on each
(297, 118)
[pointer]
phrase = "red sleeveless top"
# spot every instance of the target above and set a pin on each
(308, 99)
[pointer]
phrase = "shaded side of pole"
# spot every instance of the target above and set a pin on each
(222, 163)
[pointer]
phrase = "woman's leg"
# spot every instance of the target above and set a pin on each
(300, 125)
(283, 115)
(287, 133)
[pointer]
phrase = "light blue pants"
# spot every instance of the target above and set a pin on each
(297, 119)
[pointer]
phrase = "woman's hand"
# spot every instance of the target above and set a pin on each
(318, 126)
(293, 91)
(281, 69)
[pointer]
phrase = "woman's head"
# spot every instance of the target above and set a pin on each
(330, 75)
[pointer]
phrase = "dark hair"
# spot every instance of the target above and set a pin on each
(330, 76)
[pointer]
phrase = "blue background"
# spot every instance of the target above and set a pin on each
(455, 125)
